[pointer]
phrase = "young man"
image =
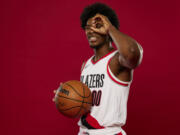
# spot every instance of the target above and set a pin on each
(109, 72)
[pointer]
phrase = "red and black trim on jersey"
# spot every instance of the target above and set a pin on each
(94, 62)
(113, 78)
(90, 122)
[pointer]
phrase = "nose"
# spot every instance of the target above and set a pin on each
(89, 31)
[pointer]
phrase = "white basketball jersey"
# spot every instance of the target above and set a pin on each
(110, 95)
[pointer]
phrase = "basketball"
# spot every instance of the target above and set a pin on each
(73, 99)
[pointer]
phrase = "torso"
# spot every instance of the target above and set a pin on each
(110, 104)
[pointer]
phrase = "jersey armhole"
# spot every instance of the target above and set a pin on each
(114, 78)
(83, 65)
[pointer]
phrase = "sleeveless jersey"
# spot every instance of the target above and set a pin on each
(110, 95)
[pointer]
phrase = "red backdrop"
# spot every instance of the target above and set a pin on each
(42, 44)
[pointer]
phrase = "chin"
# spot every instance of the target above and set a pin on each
(96, 45)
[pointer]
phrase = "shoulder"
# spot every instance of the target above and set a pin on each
(114, 64)
(119, 61)
(121, 72)
(83, 65)
(85, 62)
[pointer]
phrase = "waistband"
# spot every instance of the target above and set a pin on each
(105, 131)
(90, 122)
(90, 126)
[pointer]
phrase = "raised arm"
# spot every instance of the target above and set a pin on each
(129, 50)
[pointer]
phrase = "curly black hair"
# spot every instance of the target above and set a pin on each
(91, 10)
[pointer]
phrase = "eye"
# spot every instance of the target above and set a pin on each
(98, 25)
(98, 19)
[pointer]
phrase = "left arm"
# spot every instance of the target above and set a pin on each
(129, 49)
(129, 52)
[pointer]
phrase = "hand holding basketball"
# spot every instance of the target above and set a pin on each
(55, 91)
(73, 99)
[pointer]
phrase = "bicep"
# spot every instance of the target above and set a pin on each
(132, 58)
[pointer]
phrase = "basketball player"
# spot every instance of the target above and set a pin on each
(108, 73)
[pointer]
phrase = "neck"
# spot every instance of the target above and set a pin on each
(103, 50)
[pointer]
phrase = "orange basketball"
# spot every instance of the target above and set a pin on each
(73, 99)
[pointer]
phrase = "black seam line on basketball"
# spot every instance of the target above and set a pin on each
(84, 108)
(69, 108)
(74, 90)
(74, 99)
(89, 92)
(81, 103)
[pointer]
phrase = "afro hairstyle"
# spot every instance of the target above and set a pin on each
(91, 10)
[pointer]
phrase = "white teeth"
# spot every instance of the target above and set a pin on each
(93, 39)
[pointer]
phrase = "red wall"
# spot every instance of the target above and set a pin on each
(42, 44)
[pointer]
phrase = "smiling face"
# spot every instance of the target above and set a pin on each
(95, 39)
